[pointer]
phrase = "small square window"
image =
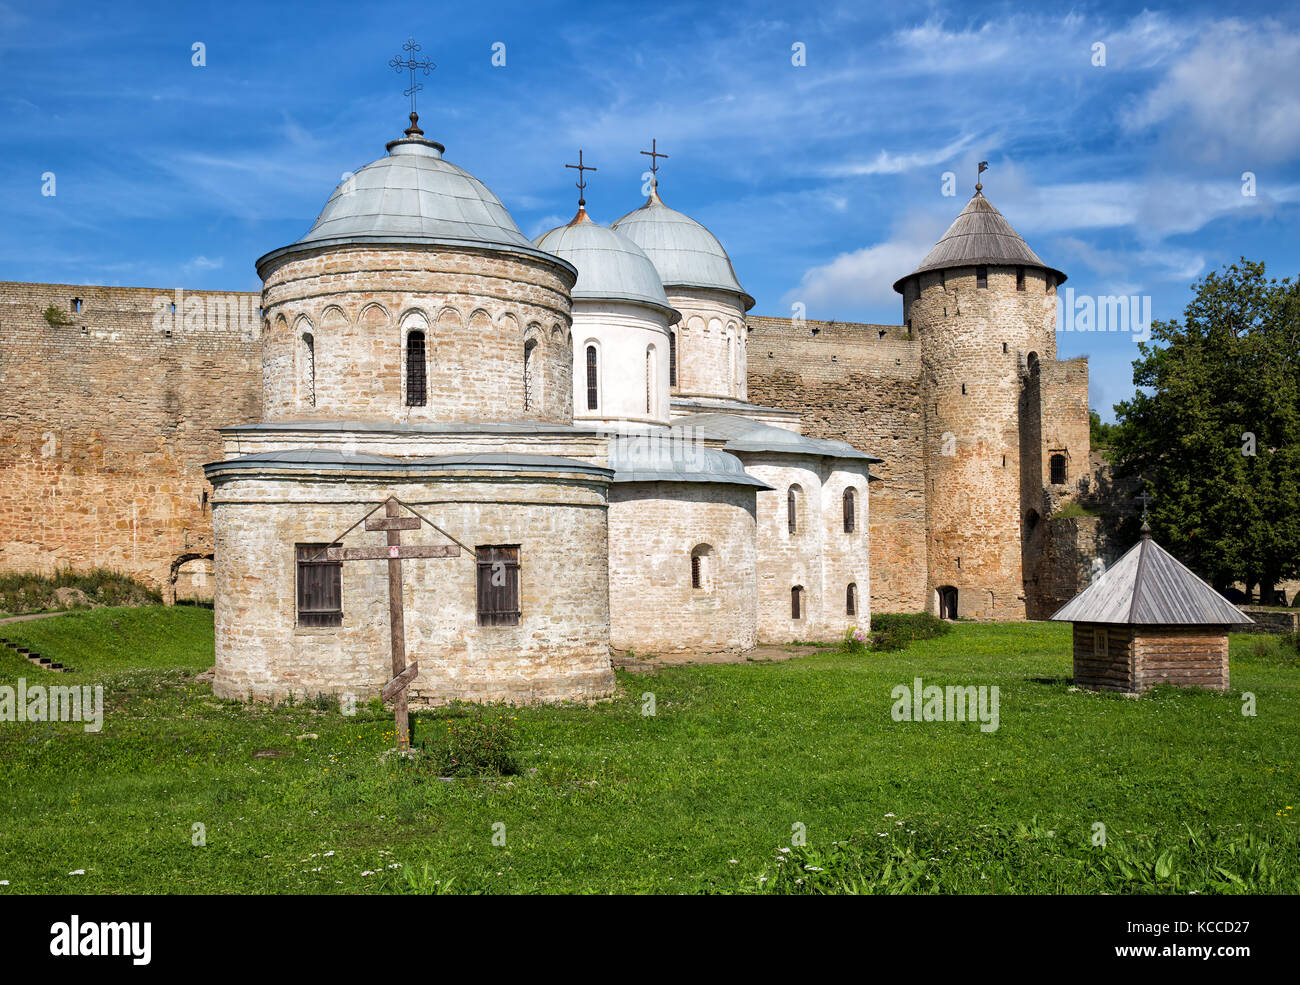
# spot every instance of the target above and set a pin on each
(498, 585)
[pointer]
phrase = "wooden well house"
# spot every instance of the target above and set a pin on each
(1149, 620)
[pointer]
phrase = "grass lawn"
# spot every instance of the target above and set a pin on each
(701, 797)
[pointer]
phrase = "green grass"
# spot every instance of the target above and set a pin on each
(23, 593)
(1072, 510)
(699, 798)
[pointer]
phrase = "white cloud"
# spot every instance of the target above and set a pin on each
(204, 263)
(1234, 97)
(887, 163)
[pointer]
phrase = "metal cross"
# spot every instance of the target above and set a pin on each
(1144, 498)
(581, 183)
(396, 62)
(654, 155)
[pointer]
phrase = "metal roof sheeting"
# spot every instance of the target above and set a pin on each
(1148, 586)
(682, 250)
(746, 434)
(412, 196)
(325, 458)
(610, 266)
(979, 235)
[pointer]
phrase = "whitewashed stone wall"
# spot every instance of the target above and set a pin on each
(559, 650)
(622, 334)
(653, 528)
(712, 343)
(819, 556)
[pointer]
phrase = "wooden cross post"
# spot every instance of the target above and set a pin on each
(393, 525)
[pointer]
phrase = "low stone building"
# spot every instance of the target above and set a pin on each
(1149, 620)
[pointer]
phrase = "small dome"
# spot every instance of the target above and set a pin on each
(979, 235)
(610, 266)
(683, 251)
(412, 196)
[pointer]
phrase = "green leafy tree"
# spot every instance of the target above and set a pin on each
(1214, 428)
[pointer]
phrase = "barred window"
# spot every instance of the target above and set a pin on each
(850, 511)
(1058, 470)
(592, 394)
(417, 389)
(320, 587)
(309, 368)
(672, 358)
(851, 600)
(498, 585)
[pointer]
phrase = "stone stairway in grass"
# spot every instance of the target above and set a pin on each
(34, 657)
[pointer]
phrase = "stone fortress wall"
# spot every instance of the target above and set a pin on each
(108, 419)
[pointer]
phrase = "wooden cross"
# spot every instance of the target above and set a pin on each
(394, 553)
(582, 184)
(654, 155)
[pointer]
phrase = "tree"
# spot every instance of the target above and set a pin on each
(1101, 435)
(1214, 428)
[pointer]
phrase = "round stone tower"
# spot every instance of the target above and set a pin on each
(709, 345)
(982, 304)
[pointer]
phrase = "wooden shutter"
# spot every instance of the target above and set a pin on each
(320, 587)
(498, 585)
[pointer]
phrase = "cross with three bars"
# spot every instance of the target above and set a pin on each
(394, 552)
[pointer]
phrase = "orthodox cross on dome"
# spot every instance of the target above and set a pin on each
(581, 182)
(984, 166)
(654, 155)
(412, 63)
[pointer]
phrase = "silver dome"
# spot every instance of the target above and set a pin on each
(412, 196)
(610, 266)
(683, 251)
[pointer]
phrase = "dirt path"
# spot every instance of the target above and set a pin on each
(30, 616)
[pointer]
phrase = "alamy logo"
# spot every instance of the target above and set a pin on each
(207, 313)
(1107, 313)
(932, 703)
(101, 939)
(39, 703)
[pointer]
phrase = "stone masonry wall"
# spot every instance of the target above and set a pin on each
(105, 422)
(654, 527)
(861, 384)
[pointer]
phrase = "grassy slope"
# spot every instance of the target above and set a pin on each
(734, 757)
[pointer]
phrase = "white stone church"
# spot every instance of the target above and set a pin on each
(572, 411)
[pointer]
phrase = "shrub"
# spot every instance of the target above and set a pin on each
(473, 744)
(55, 316)
(897, 631)
(1282, 649)
(29, 592)
(855, 641)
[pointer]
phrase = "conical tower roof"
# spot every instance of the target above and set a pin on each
(979, 235)
(1149, 586)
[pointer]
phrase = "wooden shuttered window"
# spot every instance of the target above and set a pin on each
(320, 587)
(498, 586)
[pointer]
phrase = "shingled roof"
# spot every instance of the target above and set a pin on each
(1148, 586)
(979, 235)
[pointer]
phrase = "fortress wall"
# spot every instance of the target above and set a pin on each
(861, 384)
(106, 421)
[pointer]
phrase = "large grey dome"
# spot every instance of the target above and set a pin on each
(979, 235)
(412, 196)
(683, 251)
(610, 266)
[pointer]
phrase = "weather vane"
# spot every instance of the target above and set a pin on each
(984, 166)
(411, 63)
(654, 155)
(581, 183)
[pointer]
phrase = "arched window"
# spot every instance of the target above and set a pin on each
(851, 600)
(1032, 361)
(650, 380)
(796, 602)
(592, 393)
(530, 375)
(672, 358)
(731, 366)
(792, 509)
(417, 385)
(76, 306)
(850, 511)
(1058, 470)
(701, 568)
(309, 368)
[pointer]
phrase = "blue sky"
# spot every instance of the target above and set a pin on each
(824, 181)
